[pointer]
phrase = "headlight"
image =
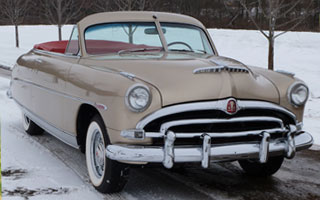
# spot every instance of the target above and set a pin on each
(138, 98)
(298, 94)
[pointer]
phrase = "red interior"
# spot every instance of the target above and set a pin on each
(55, 46)
(105, 46)
(93, 46)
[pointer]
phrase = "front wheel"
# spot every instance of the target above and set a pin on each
(255, 168)
(107, 176)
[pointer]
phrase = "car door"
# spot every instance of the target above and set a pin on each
(49, 95)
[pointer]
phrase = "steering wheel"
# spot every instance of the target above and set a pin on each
(183, 43)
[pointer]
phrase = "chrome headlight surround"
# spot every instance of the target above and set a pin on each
(298, 94)
(138, 98)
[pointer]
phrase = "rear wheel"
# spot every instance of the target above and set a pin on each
(107, 176)
(255, 168)
(30, 127)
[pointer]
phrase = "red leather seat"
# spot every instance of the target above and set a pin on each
(55, 46)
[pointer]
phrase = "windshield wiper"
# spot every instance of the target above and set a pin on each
(187, 50)
(138, 50)
(181, 50)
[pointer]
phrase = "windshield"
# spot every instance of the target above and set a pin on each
(122, 37)
(184, 37)
(128, 37)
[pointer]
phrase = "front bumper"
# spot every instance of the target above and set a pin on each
(169, 154)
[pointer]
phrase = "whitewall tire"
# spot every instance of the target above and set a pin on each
(106, 175)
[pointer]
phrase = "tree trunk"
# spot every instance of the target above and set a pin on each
(271, 54)
(130, 34)
(60, 33)
(17, 35)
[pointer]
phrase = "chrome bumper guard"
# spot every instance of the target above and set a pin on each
(295, 140)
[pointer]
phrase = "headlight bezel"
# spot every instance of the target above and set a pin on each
(129, 92)
(293, 88)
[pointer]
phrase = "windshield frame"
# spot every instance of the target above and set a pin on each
(160, 33)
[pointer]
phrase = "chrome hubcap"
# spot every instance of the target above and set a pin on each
(97, 152)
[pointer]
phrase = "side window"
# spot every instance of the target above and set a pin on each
(73, 45)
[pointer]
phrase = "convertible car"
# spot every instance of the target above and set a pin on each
(149, 87)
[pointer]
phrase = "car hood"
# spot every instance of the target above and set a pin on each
(177, 81)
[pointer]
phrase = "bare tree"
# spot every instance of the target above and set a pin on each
(130, 4)
(102, 5)
(61, 12)
(14, 11)
(234, 9)
(283, 15)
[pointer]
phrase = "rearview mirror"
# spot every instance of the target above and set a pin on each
(153, 31)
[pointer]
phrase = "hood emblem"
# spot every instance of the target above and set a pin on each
(231, 107)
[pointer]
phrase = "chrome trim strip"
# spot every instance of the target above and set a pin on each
(212, 105)
(127, 134)
(68, 138)
(286, 72)
(129, 153)
(97, 105)
(216, 135)
(127, 75)
(55, 54)
(166, 126)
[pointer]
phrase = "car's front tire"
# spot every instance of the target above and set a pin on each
(30, 127)
(254, 168)
(107, 176)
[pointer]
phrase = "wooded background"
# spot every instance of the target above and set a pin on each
(213, 13)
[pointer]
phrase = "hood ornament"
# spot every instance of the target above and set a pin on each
(221, 66)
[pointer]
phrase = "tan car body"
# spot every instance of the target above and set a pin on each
(55, 86)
